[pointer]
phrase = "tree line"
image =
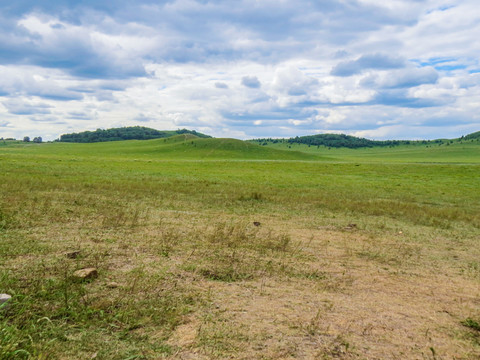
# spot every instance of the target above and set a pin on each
(124, 133)
(342, 140)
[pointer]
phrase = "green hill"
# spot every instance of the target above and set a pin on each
(184, 146)
(189, 146)
(227, 149)
(472, 136)
(124, 133)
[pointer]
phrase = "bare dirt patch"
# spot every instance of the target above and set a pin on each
(354, 308)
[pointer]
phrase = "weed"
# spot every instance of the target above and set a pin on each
(254, 196)
(225, 273)
(313, 327)
(472, 324)
(167, 241)
(219, 337)
(4, 220)
(472, 268)
(234, 251)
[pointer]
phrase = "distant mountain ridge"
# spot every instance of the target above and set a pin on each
(125, 133)
(348, 141)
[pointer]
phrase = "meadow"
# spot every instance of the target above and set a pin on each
(219, 248)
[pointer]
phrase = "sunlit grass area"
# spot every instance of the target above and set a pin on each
(216, 248)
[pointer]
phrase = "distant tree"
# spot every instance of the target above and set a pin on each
(125, 133)
(342, 140)
(37, 139)
(26, 139)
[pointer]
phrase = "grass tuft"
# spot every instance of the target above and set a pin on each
(472, 324)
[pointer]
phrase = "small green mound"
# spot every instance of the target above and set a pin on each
(181, 137)
(226, 149)
(189, 146)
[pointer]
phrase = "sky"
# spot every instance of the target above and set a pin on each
(396, 69)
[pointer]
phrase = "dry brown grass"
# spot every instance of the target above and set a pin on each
(324, 294)
(353, 309)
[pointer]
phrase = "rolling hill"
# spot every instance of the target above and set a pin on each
(184, 146)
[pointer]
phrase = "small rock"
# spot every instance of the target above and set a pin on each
(256, 223)
(72, 254)
(351, 226)
(4, 299)
(112, 285)
(85, 274)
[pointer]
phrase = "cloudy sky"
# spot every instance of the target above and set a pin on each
(396, 69)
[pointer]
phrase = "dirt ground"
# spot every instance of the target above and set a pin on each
(353, 307)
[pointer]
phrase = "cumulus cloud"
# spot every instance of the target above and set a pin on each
(80, 115)
(294, 82)
(404, 78)
(20, 107)
(79, 50)
(401, 98)
(251, 82)
(142, 118)
(45, 119)
(28, 81)
(221, 85)
(366, 62)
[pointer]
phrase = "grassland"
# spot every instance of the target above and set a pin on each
(356, 254)
(453, 151)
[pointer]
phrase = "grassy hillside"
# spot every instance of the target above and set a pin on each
(185, 146)
(450, 152)
(189, 146)
(328, 254)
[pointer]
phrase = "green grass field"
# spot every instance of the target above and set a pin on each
(456, 151)
(358, 254)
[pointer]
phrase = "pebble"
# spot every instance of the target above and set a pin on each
(4, 299)
(86, 274)
(72, 254)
